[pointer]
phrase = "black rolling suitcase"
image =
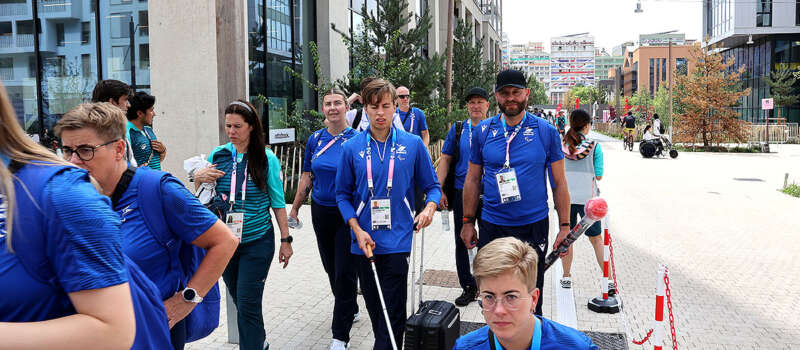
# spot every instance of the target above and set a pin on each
(436, 324)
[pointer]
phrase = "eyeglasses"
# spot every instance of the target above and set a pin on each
(84, 152)
(402, 97)
(510, 301)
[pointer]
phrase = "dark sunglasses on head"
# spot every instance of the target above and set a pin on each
(84, 152)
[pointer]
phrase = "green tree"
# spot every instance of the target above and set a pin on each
(641, 102)
(538, 94)
(781, 83)
(390, 46)
(469, 67)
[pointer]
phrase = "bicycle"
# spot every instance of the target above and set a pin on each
(627, 143)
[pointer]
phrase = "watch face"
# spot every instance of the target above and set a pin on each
(189, 294)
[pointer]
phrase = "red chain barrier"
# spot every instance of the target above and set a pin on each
(669, 306)
(619, 290)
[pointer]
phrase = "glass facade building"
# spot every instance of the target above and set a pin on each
(78, 42)
(760, 59)
(278, 35)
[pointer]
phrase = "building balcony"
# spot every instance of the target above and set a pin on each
(6, 41)
(24, 40)
(6, 74)
(16, 9)
(59, 8)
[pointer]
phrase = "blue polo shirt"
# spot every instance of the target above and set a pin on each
(83, 252)
(324, 166)
(420, 123)
(464, 152)
(527, 156)
(186, 219)
(412, 166)
(555, 336)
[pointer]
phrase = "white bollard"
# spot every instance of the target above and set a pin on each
(658, 323)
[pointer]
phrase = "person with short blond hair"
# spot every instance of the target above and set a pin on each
(506, 272)
(93, 138)
(380, 212)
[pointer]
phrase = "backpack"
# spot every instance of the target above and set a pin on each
(661, 128)
(449, 185)
(205, 316)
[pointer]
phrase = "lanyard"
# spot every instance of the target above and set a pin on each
(330, 143)
(513, 135)
(410, 111)
(232, 197)
(368, 136)
(469, 130)
(536, 339)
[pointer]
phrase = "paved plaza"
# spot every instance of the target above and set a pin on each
(717, 221)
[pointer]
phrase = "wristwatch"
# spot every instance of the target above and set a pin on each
(468, 220)
(288, 239)
(564, 224)
(190, 296)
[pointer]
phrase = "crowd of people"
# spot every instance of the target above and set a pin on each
(109, 251)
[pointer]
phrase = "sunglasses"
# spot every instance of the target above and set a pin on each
(403, 97)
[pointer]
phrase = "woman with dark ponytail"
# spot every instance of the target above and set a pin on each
(583, 166)
(248, 175)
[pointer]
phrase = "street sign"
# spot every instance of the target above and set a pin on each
(766, 103)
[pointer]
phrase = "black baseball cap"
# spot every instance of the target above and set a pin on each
(477, 91)
(510, 77)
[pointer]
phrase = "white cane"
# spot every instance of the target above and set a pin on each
(380, 295)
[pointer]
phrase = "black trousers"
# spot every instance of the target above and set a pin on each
(333, 241)
(177, 335)
(393, 275)
(534, 234)
(465, 278)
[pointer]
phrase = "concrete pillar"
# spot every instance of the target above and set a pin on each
(334, 57)
(198, 65)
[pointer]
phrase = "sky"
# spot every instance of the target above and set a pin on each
(611, 22)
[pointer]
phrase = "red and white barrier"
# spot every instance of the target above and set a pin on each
(605, 303)
(606, 255)
(658, 327)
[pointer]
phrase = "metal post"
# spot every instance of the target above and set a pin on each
(232, 317)
(669, 71)
(132, 30)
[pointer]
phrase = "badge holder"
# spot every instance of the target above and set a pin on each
(508, 186)
(381, 213)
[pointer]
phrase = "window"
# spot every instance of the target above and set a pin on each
(144, 56)
(143, 24)
(86, 65)
(797, 13)
(663, 69)
(60, 34)
(681, 66)
(6, 68)
(120, 59)
(764, 13)
(86, 33)
(120, 25)
(652, 72)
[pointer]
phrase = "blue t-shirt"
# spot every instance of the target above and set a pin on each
(555, 336)
(140, 145)
(186, 219)
(462, 165)
(257, 220)
(412, 166)
(83, 251)
(419, 122)
(527, 157)
(324, 166)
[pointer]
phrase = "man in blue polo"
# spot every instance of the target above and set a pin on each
(511, 156)
(451, 173)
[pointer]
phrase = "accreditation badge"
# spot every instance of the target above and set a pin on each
(508, 186)
(381, 210)
(235, 222)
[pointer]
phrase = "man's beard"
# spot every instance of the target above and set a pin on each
(512, 110)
